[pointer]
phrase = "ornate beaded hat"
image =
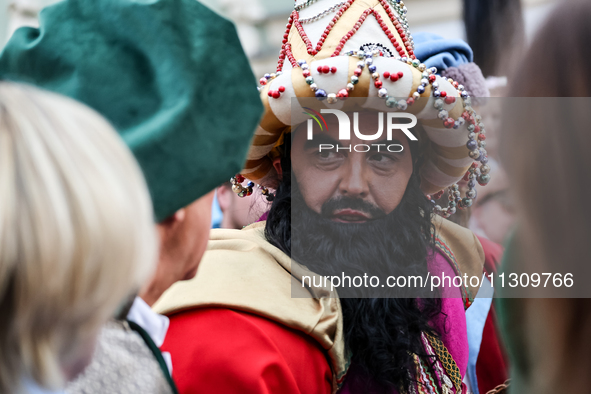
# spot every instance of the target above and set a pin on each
(334, 49)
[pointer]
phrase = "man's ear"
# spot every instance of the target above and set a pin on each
(224, 196)
(277, 166)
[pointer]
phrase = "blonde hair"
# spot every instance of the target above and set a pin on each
(76, 231)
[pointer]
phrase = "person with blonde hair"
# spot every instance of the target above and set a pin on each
(76, 235)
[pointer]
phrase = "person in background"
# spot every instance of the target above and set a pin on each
(493, 215)
(544, 149)
(495, 31)
(76, 235)
(239, 212)
(165, 89)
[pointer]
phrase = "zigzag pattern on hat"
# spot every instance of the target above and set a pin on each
(455, 134)
(352, 24)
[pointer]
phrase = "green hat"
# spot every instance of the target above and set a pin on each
(170, 75)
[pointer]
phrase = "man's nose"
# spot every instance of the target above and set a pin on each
(353, 182)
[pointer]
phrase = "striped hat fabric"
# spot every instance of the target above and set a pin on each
(332, 40)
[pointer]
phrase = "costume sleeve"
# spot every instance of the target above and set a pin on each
(219, 350)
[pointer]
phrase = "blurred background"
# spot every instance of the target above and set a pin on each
(261, 23)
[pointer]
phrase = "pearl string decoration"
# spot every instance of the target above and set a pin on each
(401, 9)
(321, 14)
(399, 22)
(305, 4)
(245, 191)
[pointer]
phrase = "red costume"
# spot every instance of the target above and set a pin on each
(257, 355)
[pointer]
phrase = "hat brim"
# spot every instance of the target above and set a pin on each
(446, 155)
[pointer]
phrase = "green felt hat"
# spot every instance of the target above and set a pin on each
(170, 75)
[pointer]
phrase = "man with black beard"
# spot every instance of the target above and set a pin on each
(252, 321)
(381, 333)
(357, 232)
(334, 214)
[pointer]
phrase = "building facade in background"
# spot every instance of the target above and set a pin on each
(261, 23)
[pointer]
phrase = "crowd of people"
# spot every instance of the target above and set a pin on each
(122, 120)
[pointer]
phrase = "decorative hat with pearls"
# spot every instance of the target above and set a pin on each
(334, 49)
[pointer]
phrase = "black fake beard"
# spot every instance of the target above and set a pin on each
(380, 333)
(393, 244)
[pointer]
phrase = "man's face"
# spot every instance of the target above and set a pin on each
(377, 178)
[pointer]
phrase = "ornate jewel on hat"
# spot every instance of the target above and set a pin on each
(245, 191)
(376, 35)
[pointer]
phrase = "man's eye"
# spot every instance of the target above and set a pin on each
(380, 157)
(328, 155)
(328, 159)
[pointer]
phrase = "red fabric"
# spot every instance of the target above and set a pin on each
(219, 350)
(491, 365)
(493, 253)
(491, 368)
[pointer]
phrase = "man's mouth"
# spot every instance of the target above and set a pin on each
(350, 216)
